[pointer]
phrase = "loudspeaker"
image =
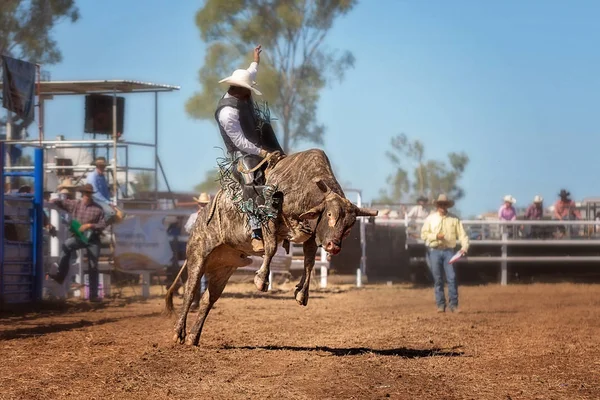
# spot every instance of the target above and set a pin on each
(98, 114)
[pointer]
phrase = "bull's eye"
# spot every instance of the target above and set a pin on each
(329, 214)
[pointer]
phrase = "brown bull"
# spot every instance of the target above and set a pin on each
(315, 212)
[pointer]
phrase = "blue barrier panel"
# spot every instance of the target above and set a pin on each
(21, 258)
(38, 223)
(2, 238)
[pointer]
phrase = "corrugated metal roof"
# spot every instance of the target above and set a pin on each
(101, 87)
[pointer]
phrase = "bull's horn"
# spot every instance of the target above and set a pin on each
(322, 185)
(366, 212)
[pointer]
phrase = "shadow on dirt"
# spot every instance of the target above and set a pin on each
(356, 351)
(43, 329)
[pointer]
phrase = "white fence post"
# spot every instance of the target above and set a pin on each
(323, 269)
(270, 279)
(145, 284)
(79, 275)
(504, 263)
(358, 278)
(55, 221)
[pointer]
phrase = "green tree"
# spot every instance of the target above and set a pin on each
(26, 28)
(429, 177)
(210, 184)
(26, 33)
(295, 65)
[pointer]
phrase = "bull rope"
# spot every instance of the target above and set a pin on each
(234, 191)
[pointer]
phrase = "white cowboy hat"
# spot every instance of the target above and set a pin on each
(241, 78)
(443, 199)
(538, 199)
(202, 199)
(508, 198)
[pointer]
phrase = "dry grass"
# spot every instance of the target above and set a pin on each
(515, 342)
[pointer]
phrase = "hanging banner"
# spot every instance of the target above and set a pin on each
(18, 87)
(142, 244)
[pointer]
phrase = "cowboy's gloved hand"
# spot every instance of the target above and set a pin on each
(263, 153)
(257, 51)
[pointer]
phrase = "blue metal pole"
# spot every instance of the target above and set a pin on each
(38, 223)
(2, 238)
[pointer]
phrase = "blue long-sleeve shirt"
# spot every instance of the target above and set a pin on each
(100, 186)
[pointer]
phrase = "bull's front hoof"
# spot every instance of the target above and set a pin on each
(179, 337)
(261, 282)
(191, 342)
(302, 298)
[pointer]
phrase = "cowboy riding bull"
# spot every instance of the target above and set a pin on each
(301, 197)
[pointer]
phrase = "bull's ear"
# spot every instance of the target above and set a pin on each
(313, 212)
(322, 185)
(366, 212)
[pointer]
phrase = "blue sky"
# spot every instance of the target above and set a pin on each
(514, 84)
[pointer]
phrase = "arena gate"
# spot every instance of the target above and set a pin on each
(21, 244)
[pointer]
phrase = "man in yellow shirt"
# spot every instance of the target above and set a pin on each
(440, 231)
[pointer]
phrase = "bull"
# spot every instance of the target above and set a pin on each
(314, 212)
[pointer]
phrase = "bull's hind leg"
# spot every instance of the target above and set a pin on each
(217, 280)
(195, 272)
(310, 252)
(261, 280)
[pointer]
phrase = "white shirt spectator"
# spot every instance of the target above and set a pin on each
(189, 225)
(418, 212)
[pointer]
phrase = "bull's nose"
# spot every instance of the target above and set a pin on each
(332, 247)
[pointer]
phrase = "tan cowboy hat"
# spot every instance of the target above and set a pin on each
(66, 186)
(241, 78)
(509, 199)
(203, 199)
(443, 199)
(538, 199)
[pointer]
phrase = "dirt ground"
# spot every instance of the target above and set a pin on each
(515, 342)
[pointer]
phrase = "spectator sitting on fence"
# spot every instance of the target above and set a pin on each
(535, 212)
(507, 212)
(91, 219)
(101, 192)
(566, 210)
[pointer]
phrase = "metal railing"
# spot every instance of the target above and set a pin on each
(590, 238)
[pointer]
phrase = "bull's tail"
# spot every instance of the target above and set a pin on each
(171, 291)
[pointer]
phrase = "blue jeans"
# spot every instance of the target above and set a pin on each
(438, 263)
(93, 252)
(109, 212)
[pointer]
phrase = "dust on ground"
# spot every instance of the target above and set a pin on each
(516, 342)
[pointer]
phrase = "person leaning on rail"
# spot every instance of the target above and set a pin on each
(441, 230)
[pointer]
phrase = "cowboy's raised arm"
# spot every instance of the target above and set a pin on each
(66, 204)
(253, 68)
